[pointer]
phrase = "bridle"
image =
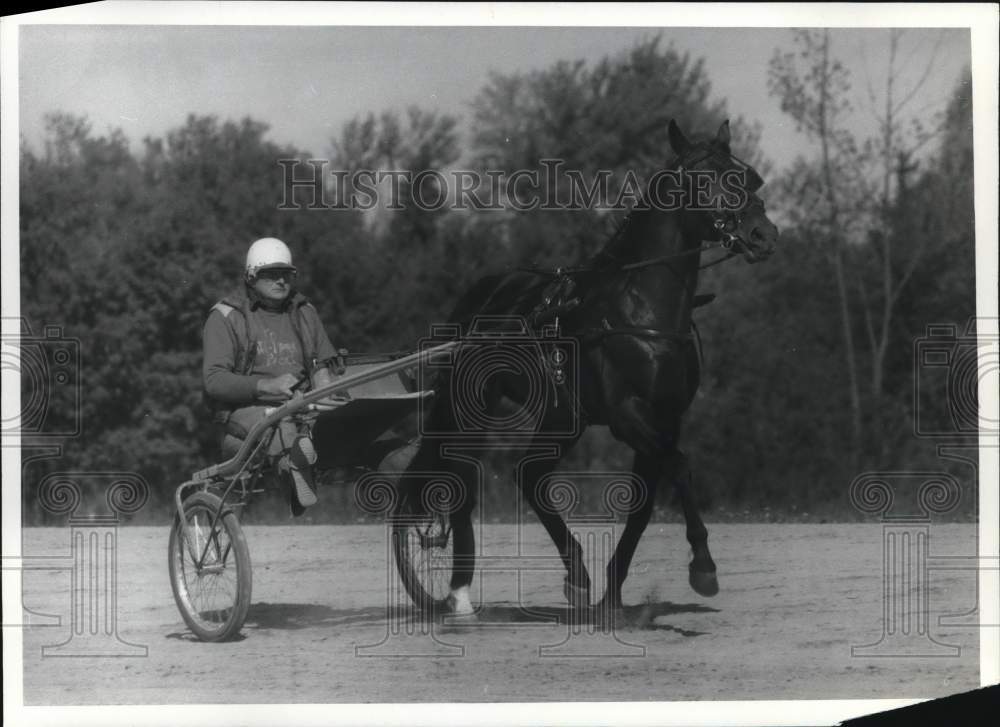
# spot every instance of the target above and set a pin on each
(728, 223)
(556, 300)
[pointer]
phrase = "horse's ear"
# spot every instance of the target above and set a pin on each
(678, 141)
(723, 135)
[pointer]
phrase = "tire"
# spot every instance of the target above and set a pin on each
(213, 600)
(424, 558)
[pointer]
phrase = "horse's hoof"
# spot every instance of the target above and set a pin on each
(458, 602)
(609, 608)
(704, 583)
(579, 598)
(459, 611)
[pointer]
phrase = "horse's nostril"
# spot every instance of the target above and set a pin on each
(756, 236)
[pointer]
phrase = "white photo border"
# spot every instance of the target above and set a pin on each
(980, 19)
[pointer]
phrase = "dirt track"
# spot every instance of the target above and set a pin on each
(793, 600)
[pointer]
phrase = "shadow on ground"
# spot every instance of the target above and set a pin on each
(292, 616)
(295, 616)
(641, 616)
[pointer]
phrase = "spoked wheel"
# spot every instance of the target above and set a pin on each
(210, 569)
(424, 557)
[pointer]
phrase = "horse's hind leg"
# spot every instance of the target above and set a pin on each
(436, 484)
(463, 534)
(464, 549)
(701, 571)
(648, 470)
(539, 497)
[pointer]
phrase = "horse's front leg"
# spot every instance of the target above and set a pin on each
(701, 570)
(420, 494)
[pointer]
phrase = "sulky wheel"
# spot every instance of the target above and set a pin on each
(423, 551)
(210, 568)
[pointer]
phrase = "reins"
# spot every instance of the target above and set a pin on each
(704, 247)
(647, 263)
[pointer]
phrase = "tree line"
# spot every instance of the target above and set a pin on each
(809, 359)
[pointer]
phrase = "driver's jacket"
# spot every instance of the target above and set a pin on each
(233, 337)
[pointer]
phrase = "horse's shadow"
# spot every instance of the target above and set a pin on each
(637, 617)
(264, 616)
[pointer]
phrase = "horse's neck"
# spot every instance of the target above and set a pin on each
(658, 296)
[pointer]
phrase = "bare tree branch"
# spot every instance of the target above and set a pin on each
(924, 76)
(868, 81)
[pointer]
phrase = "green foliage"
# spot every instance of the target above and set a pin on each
(888, 230)
(612, 117)
(127, 254)
(128, 251)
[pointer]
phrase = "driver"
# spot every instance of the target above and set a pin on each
(260, 341)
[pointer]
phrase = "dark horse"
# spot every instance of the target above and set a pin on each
(633, 367)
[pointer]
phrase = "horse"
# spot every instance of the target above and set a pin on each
(633, 365)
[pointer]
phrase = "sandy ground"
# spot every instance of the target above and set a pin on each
(793, 600)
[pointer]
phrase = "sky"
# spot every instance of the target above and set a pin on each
(306, 82)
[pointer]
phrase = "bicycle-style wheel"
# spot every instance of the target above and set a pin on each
(209, 568)
(424, 558)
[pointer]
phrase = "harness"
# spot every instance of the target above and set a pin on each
(557, 298)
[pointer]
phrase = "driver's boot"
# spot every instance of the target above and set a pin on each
(301, 458)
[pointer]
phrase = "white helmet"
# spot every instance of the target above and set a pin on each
(268, 252)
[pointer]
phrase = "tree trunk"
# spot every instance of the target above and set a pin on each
(850, 358)
(838, 261)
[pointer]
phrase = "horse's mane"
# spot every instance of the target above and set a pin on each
(620, 224)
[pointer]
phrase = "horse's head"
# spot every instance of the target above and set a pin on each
(724, 188)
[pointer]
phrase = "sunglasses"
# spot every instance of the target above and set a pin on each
(277, 274)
